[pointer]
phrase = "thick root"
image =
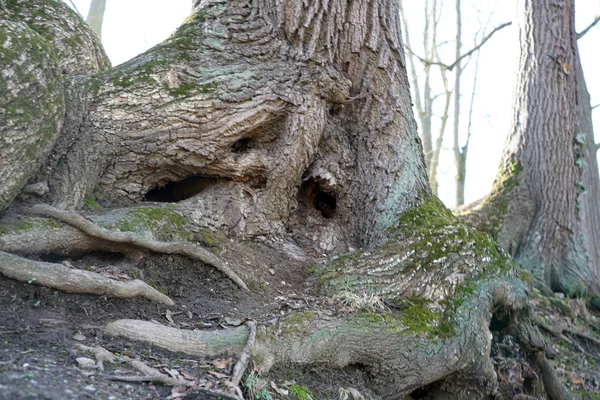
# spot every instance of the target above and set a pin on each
(195, 343)
(58, 276)
(182, 248)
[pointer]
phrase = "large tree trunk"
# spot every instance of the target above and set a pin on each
(286, 122)
(276, 112)
(545, 201)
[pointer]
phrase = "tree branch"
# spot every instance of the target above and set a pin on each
(76, 9)
(590, 26)
(483, 41)
(450, 67)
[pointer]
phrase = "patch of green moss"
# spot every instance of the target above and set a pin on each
(495, 205)
(91, 204)
(301, 392)
(154, 283)
(167, 224)
(309, 270)
(418, 317)
(297, 324)
(209, 238)
(27, 225)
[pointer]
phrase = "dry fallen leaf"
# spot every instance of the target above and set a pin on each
(169, 316)
(279, 391)
(574, 379)
(221, 364)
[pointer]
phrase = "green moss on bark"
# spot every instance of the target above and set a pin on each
(27, 224)
(429, 268)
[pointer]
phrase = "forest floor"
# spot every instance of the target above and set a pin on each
(42, 330)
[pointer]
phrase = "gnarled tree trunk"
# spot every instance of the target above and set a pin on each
(276, 120)
(544, 205)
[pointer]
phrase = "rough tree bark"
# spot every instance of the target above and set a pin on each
(274, 120)
(544, 205)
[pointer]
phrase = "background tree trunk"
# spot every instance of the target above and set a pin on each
(96, 16)
(545, 201)
(459, 156)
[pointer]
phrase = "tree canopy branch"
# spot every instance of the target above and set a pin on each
(450, 67)
(590, 26)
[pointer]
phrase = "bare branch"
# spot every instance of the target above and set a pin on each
(590, 26)
(596, 106)
(241, 365)
(483, 41)
(75, 7)
(597, 146)
(450, 67)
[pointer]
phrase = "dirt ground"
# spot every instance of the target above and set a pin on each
(41, 328)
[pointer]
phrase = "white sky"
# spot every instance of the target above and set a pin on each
(133, 26)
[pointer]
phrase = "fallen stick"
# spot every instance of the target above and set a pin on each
(58, 276)
(182, 248)
(242, 363)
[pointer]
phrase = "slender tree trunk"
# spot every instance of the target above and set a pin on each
(545, 201)
(459, 160)
(96, 16)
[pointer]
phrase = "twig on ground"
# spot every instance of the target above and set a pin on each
(182, 248)
(100, 353)
(242, 363)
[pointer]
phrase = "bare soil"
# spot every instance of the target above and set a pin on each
(39, 327)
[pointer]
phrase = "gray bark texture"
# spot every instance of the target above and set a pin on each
(545, 202)
(277, 121)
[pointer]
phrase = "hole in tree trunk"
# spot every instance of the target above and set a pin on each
(420, 393)
(241, 145)
(313, 193)
(500, 320)
(181, 190)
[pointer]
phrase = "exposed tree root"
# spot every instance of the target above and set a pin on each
(182, 248)
(559, 332)
(554, 388)
(196, 343)
(69, 280)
